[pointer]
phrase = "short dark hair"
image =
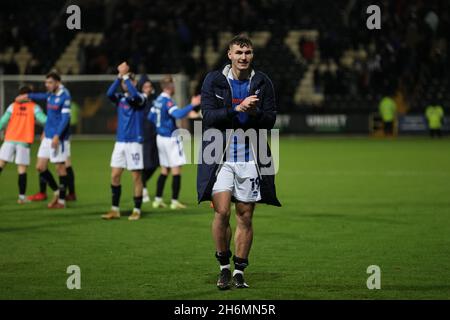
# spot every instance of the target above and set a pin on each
(241, 40)
(54, 75)
(25, 89)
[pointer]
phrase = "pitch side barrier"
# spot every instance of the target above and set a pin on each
(352, 124)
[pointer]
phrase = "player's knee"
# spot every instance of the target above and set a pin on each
(222, 211)
(137, 177)
(115, 178)
(244, 218)
(61, 169)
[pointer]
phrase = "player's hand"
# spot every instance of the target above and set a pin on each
(196, 100)
(194, 114)
(55, 142)
(248, 104)
(123, 68)
(22, 97)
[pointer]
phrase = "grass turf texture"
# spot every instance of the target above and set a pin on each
(347, 204)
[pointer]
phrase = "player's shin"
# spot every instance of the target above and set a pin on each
(42, 184)
(137, 203)
(116, 191)
(70, 180)
(176, 185)
(22, 181)
(62, 189)
(46, 176)
(160, 185)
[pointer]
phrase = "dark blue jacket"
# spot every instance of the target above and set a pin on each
(217, 113)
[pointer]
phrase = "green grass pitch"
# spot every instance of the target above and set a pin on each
(348, 203)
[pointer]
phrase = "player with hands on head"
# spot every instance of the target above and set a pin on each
(128, 151)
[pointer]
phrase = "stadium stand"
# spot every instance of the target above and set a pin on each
(317, 62)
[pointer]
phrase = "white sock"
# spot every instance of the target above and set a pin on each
(61, 201)
(158, 199)
(138, 210)
(113, 208)
(144, 191)
(21, 197)
(174, 201)
(227, 266)
(235, 272)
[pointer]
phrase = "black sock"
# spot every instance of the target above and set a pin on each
(48, 177)
(116, 191)
(137, 202)
(70, 180)
(42, 184)
(1, 169)
(62, 187)
(240, 263)
(147, 174)
(160, 185)
(223, 257)
(176, 184)
(22, 183)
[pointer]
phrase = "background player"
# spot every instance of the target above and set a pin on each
(248, 101)
(19, 120)
(434, 114)
(55, 146)
(127, 153)
(150, 149)
(170, 148)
